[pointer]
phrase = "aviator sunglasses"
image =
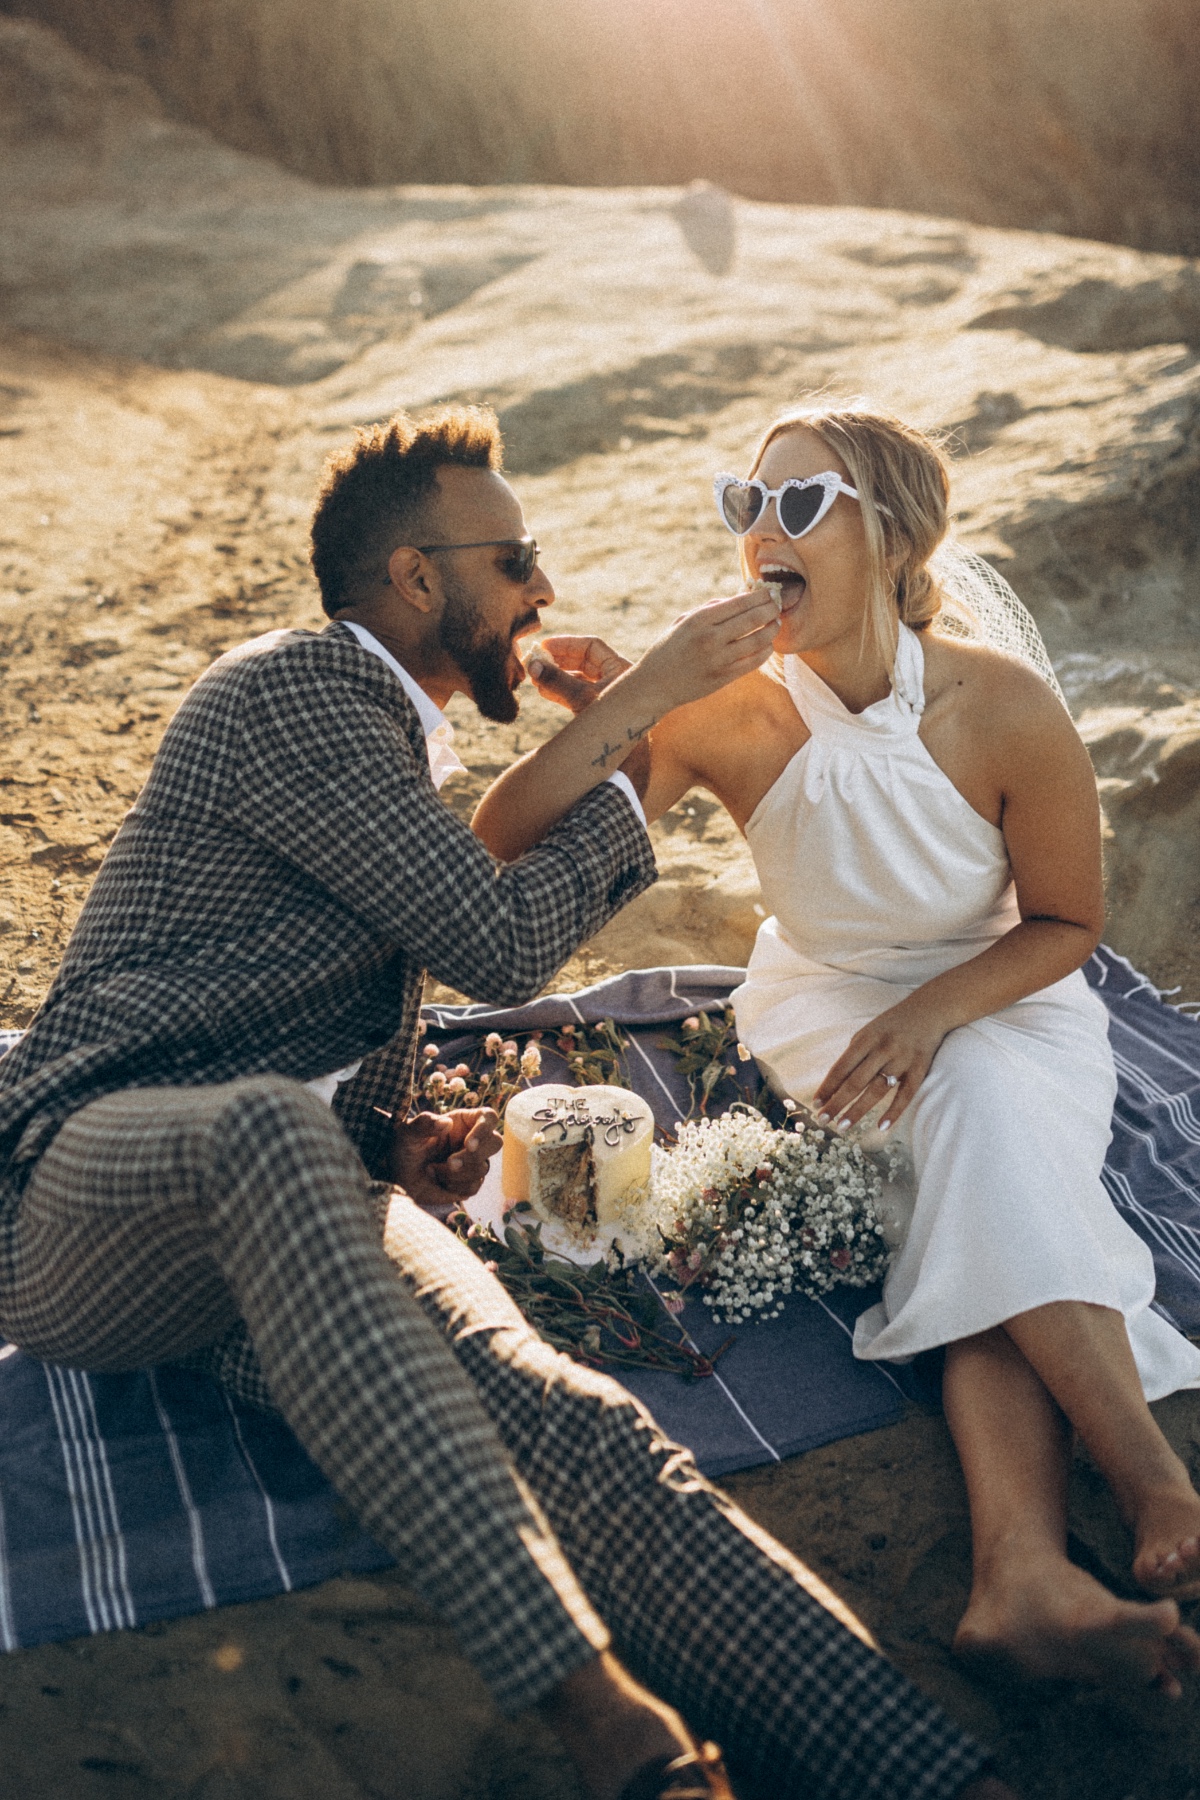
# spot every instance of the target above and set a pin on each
(800, 504)
(517, 566)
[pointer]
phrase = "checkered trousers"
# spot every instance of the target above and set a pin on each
(527, 1498)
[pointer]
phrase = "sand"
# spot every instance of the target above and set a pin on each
(184, 335)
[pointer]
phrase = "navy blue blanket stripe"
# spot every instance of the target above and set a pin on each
(129, 1498)
(1152, 1170)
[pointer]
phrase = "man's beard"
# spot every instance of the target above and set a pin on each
(480, 654)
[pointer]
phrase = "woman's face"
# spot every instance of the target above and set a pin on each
(824, 574)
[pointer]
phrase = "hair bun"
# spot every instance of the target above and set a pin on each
(918, 597)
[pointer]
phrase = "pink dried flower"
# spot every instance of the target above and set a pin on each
(457, 1085)
(692, 1024)
(840, 1259)
(508, 1050)
(491, 1044)
(430, 1051)
(674, 1303)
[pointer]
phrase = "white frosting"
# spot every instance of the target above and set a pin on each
(579, 1155)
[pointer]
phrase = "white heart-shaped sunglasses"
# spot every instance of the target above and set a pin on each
(799, 503)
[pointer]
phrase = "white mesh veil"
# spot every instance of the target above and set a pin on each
(979, 604)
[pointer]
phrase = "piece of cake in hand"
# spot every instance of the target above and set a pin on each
(579, 1155)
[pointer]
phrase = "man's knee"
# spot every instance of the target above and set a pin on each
(262, 1112)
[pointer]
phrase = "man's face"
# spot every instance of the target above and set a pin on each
(485, 611)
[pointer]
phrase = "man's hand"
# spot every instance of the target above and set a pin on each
(573, 671)
(440, 1159)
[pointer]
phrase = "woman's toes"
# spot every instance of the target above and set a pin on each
(1168, 1555)
(1072, 1628)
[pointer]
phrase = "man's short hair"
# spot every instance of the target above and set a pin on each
(375, 495)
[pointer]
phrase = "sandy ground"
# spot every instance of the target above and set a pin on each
(154, 512)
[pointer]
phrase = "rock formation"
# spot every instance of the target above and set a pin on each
(1067, 115)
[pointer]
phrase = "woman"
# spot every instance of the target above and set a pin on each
(925, 824)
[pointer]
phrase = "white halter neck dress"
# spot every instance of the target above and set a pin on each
(880, 875)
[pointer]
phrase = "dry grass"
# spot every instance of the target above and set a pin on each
(1072, 115)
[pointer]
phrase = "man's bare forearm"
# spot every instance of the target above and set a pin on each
(613, 755)
(702, 651)
(534, 794)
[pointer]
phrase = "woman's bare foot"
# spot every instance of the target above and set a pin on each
(611, 1726)
(1050, 1620)
(1166, 1527)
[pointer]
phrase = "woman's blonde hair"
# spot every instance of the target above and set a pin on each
(903, 484)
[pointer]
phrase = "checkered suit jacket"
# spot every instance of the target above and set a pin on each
(274, 898)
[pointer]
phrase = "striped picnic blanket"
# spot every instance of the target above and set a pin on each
(129, 1498)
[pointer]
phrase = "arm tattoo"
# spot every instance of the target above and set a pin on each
(633, 735)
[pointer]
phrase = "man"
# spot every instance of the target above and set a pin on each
(198, 1133)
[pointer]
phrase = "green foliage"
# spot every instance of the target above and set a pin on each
(707, 1052)
(601, 1316)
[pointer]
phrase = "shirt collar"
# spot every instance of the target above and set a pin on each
(439, 732)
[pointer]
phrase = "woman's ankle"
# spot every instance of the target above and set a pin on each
(1019, 1554)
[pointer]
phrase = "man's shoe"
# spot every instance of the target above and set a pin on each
(696, 1775)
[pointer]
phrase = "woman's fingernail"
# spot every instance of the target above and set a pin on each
(886, 1126)
(535, 667)
(845, 1125)
(822, 1118)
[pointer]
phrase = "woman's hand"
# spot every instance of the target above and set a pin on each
(440, 1159)
(615, 710)
(901, 1042)
(573, 671)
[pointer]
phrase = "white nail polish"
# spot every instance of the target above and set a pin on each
(822, 1118)
(886, 1126)
(845, 1125)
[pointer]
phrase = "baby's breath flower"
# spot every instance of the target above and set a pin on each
(748, 1214)
(491, 1044)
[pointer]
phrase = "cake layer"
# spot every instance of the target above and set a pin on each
(579, 1155)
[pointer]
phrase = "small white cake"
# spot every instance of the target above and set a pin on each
(579, 1155)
